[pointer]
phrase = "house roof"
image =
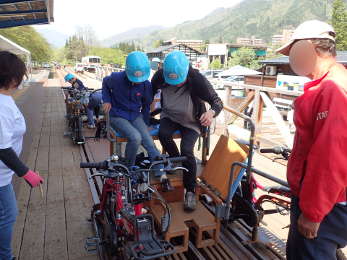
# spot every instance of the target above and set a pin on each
(168, 47)
(25, 12)
(6, 44)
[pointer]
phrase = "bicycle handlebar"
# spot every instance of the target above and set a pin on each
(276, 150)
(98, 165)
(104, 164)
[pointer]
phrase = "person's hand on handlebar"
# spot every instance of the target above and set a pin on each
(106, 107)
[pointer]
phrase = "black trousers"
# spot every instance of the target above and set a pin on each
(332, 234)
(189, 138)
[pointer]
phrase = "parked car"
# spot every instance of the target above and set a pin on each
(236, 79)
(211, 73)
(79, 68)
(46, 65)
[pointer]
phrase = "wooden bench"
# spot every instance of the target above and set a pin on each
(115, 146)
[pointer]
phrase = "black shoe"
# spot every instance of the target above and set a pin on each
(190, 201)
(166, 185)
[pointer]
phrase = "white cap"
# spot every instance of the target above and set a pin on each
(313, 29)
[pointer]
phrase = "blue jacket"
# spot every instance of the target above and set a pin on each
(78, 85)
(128, 100)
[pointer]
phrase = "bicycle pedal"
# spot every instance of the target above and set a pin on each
(91, 244)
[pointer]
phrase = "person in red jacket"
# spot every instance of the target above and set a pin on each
(317, 168)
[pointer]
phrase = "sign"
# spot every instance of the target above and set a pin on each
(291, 83)
(217, 49)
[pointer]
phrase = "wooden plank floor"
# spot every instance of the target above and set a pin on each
(55, 226)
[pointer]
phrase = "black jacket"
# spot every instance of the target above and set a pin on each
(200, 88)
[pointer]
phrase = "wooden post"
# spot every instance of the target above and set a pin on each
(256, 110)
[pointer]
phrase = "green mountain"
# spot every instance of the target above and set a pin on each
(261, 18)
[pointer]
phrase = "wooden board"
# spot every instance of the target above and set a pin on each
(217, 170)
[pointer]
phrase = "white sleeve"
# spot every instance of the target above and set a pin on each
(6, 129)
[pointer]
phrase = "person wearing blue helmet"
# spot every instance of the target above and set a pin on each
(75, 82)
(127, 97)
(183, 93)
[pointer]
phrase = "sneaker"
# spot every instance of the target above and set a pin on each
(190, 201)
(91, 126)
(166, 185)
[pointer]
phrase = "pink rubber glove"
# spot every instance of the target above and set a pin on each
(33, 179)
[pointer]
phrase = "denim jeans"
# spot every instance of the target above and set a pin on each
(137, 133)
(8, 214)
(189, 138)
(332, 234)
(93, 107)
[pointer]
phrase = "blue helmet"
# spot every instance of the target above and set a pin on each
(176, 67)
(69, 77)
(137, 67)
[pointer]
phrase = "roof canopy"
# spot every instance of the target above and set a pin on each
(6, 44)
(238, 71)
(25, 12)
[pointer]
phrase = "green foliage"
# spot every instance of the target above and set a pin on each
(127, 47)
(157, 43)
(245, 57)
(339, 22)
(261, 18)
(75, 48)
(108, 55)
(30, 39)
(216, 64)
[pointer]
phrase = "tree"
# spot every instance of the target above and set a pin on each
(157, 43)
(30, 39)
(127, 47)
(245, 57)
(339, 22)
(216, 64)
(75, 48)
(88, 35)
(109, 55)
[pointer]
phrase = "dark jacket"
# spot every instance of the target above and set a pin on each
(128, 100)
(200, 88)
(79, 85)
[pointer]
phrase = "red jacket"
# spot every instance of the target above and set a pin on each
(317, 168)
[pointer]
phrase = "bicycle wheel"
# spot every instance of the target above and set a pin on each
(100, 234)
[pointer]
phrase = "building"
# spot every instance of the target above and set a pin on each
(18, 13)
(280, 66)
(195, 44)
(218, 51)
(244, 41)
(280, 39)
(250, 41)
(162, 51)
(223, 51)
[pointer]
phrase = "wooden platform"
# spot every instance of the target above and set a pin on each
(55, 226)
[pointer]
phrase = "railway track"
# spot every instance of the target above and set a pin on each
(234, 241)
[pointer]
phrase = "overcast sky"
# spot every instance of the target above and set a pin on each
(109, 17)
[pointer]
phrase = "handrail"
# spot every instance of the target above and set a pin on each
(264, 89)
(251, 141)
